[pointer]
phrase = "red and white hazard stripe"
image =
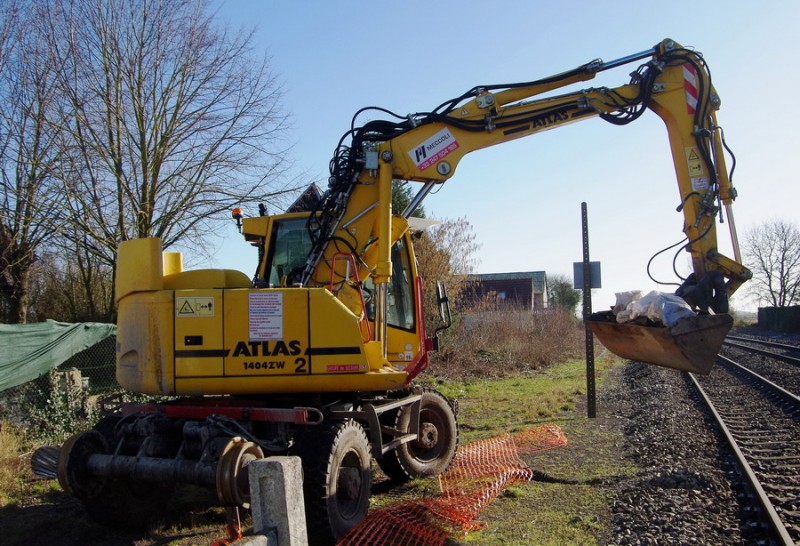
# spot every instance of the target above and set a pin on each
(690, 86)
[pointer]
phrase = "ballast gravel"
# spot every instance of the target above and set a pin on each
(687, 489)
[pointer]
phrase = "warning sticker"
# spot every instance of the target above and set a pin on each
(432, 150)
(700, 183)
(690, 87)
(194, 307)
(265, 311)
(694, 162)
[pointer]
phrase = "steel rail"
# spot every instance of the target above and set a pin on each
(788, 359)
(790, 396)
(765, 342)
(772, 515)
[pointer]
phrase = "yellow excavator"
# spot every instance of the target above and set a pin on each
(314, 355)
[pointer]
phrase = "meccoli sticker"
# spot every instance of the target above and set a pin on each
(434, 149)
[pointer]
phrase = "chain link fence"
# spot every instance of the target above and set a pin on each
(64, 400)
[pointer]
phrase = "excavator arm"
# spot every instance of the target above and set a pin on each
(355, 214)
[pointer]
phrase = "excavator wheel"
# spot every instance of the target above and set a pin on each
(336, 479)
(71, 469)
(433, 451)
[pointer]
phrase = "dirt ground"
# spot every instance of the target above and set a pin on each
(53, 517)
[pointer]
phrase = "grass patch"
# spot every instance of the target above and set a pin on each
(13, 467)
(543, 514)
(568, 502)
(489, 407)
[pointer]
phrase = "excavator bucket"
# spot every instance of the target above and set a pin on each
(691, 345)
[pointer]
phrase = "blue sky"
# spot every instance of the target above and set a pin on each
(523, 198)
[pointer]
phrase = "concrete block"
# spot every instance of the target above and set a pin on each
(276, 499)
(257, 540)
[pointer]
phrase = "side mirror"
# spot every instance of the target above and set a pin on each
(443, 303)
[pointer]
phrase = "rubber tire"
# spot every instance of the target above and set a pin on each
(330, 459)
(417, 459)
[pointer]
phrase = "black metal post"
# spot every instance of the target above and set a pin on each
(591, 400)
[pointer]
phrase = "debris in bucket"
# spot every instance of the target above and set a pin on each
(661, 329)
(658, 307)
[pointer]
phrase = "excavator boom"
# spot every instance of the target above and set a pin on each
(427, 147)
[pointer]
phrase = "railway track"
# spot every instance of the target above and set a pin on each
(759, 417)
(770, 349)
(778, 362)
(754, 342)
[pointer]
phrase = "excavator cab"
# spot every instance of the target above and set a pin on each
(286, 252)
(284, 243)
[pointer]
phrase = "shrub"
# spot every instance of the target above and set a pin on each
(58, 408)
(497, 342)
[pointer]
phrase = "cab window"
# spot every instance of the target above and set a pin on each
(288, 250)
(400, 300)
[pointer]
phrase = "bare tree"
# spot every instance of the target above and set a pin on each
(30, 151)
(447, 253)
(772, 252)
(173, 120)
(71, 286)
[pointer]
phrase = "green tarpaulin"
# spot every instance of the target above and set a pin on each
(28, 351)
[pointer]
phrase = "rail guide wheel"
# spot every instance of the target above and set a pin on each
(336, 479)
(72, 468)
(233, 486)
(118, 502)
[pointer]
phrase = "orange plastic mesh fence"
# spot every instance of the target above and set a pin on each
(479, 473)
